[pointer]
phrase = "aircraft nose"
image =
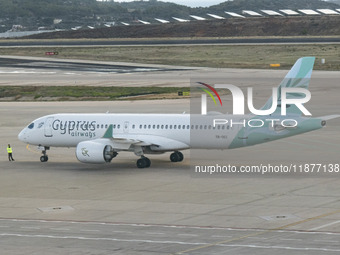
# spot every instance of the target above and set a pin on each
(22, 136)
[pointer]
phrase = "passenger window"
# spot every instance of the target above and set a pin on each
(31, 126)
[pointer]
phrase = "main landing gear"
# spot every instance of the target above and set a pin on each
(143, 162)
(44, 157)
(176, 156)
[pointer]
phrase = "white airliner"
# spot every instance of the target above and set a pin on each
(99, 138)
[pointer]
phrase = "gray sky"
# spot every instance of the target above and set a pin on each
(192, 3)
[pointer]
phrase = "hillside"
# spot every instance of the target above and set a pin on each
(279, 26)
(66, 14)
(256, 5)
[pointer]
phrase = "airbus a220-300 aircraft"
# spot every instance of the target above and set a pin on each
(99, 138)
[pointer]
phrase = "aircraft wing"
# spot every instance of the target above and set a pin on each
(157, 143)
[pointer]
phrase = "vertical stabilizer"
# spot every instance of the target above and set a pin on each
(298, 77)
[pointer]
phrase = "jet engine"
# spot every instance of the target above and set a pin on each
(94, 152)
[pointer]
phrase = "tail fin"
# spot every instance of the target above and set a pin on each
(298, 77)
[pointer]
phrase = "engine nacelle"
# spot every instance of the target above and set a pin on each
(94, 152)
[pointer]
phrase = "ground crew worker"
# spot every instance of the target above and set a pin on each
(10, 151)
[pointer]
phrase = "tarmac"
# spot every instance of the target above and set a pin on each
(66, 207)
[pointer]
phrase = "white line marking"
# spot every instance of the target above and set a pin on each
(171, 242)
(326, 225)
(102, 239)
(326, 241)
(293, 239)
(30, 227)
(281, 247)
(61, 229)
(25, 72)
(170, 226)
(154, 233)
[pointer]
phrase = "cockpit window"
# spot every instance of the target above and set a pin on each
(31, 126)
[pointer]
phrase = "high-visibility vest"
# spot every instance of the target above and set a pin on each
(9, 150)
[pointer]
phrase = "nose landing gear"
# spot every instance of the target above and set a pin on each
(44, 157)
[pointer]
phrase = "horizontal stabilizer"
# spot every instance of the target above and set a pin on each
(329, 117)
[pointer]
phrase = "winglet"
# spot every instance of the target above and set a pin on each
(109, 132)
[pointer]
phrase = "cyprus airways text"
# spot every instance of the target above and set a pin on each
(75, 128)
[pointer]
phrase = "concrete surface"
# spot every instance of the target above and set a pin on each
(65, 207)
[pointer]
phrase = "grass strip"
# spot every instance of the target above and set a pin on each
(218, 56)
(81, 93)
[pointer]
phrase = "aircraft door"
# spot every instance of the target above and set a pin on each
(126, 127)
(48, 127)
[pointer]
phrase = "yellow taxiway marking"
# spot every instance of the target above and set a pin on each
(29, 149)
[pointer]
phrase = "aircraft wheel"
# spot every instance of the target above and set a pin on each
(148, 162)
(43, 158)
(180, 156)
(143, 162)
(174, 157)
